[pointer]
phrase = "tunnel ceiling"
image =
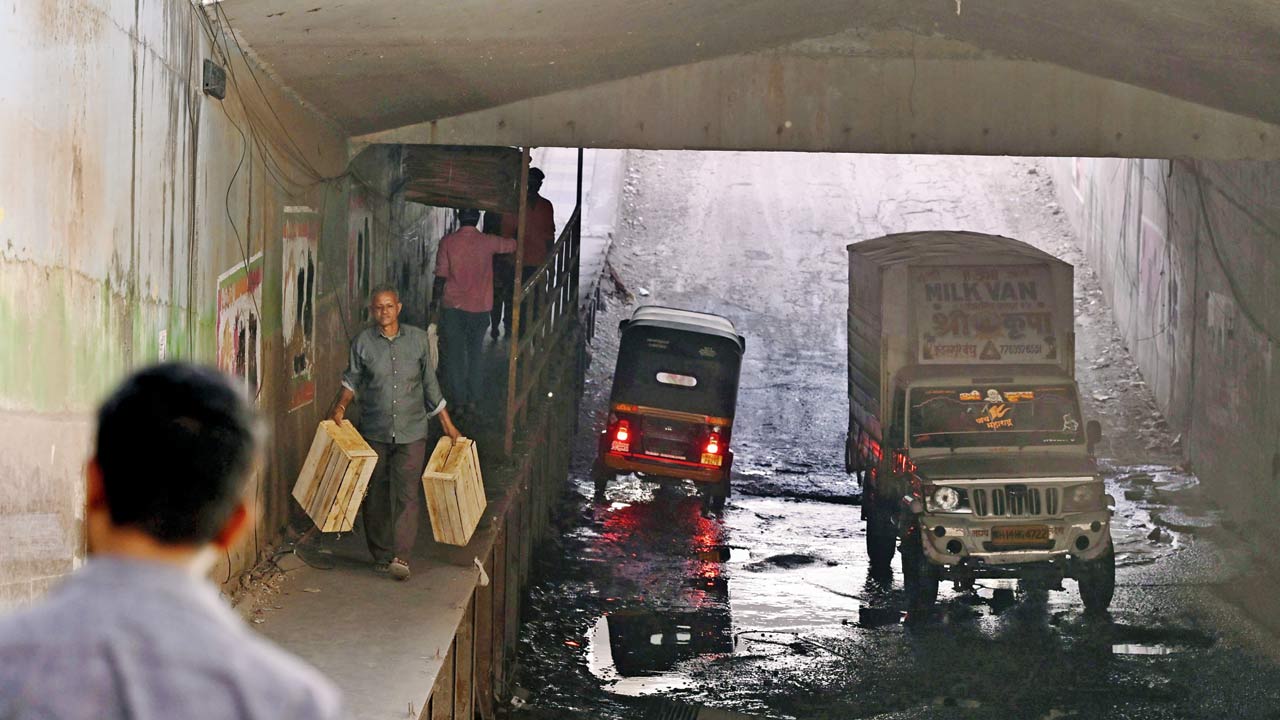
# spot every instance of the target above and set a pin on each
(374, 65)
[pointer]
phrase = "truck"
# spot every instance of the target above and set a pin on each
(964, 418)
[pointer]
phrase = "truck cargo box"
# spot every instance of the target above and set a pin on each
(952, 298)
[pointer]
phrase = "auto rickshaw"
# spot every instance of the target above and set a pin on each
(675, 389)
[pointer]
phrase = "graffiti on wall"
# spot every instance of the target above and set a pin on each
(301, 248)
(359, 252)
(240, 323)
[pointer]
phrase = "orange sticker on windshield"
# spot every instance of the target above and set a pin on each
(994, 418)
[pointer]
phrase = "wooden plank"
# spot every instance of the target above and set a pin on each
(464, 664)
(499, 580)
(357, 497)
(433, 486)
(476, 485)
(313, 480)
(322, 472)
(515, 534)
(440, 454)
(442, 693)
(306, 476)
(333, 474)
(343, 495)
(349, 439)
(483, 683)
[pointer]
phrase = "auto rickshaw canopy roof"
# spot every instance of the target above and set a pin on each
(686, 320)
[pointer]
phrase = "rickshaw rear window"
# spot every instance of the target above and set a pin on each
(679, 371)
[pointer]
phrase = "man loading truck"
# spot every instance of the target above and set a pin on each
(964, 420)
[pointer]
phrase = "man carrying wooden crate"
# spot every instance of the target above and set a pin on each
(391, 371)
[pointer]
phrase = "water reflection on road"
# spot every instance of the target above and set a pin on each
(769, 610)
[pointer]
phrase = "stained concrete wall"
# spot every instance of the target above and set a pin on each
(125, 195)
(1189, 257)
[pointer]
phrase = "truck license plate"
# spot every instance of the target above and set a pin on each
(709, 459)
(1021, 536)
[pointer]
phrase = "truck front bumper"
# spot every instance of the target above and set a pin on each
(955, 539)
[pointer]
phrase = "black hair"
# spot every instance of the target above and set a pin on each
(469, 217)
(383, 288)
(175, 444)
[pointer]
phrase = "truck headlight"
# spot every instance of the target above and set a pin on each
(948, 500)
(1083, 498)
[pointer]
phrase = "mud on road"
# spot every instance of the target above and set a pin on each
(641, 601)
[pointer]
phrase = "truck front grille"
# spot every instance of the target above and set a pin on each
(1014, 501)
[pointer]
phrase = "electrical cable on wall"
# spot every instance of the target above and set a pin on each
(1232, 284)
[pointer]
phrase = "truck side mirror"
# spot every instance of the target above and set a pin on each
(1093, 434)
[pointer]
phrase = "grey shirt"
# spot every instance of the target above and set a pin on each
(139, 640)
(396, 384)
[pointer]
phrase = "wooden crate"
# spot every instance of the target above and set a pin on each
(454, 488)
(334, 476)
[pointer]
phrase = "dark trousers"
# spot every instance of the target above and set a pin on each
(526, 308)
(463, 335)
(504, 280)
(394, 499)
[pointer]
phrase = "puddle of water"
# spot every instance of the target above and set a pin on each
(638, 653)
(1133, 649)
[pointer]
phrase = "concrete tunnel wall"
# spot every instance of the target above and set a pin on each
(128, 199)
(1189, 258)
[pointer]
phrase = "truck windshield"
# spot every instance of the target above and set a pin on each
(1005, 415)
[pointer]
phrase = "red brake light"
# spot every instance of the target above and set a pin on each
(623, 433)
(902, 464)
(713, 444)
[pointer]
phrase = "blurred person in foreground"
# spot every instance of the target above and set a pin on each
(139, 631)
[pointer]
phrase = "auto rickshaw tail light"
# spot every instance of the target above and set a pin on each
(713, 445)
(620, 437)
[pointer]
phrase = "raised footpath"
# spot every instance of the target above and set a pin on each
(437, 646)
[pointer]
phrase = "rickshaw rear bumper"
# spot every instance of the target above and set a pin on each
(662, 468)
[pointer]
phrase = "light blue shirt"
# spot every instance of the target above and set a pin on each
(140, 640)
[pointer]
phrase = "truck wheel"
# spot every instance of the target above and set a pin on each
(1097, 580)
(882, 538)
(920, 578)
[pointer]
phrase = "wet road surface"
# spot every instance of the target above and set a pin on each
(768, 611)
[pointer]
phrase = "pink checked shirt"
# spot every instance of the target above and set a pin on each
(465, 261)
